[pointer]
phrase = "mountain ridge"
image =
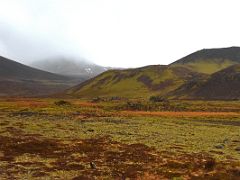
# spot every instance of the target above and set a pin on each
(17, 79)
(10, 68)
(174, 81)
(139, 82)
(210, 60)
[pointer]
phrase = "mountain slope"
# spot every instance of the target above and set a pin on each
(20, 80)
(68, 67)
(224, 84)
(11, 69)
(210, 60)
(206, 74)
(135, 83)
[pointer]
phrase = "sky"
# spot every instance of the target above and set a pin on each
(116, 33)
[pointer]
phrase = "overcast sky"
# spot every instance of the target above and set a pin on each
(120, 33)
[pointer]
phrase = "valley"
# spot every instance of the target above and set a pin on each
(119, 90)
(176, 121)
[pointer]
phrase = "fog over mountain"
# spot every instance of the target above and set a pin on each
(115, 33)
(18, 80)
(71, 67)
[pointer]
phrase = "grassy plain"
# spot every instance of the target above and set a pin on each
(76, 139)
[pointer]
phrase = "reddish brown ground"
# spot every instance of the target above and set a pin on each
(112, 159)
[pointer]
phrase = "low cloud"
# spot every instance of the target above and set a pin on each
(115, 33)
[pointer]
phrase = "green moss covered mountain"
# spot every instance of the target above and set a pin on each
(210, 60)
(205, 74)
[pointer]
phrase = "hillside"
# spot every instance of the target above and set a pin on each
(135, 83)
(20, 80)
(10, 69)
(224, 85)
(210, 60)
(206, 74)
(63, 66)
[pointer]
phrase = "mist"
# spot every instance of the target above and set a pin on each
(115, 33)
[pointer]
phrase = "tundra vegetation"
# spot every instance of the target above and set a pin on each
(116, 138)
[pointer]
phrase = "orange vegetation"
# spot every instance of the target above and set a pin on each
(178, 114)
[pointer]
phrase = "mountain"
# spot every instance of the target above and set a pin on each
(68, 67)
(224, 85)
(20, 80)
(205, 74)
(135, 83)
(210, 60)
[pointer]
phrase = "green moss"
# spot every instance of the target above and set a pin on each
(209, 67)
(126, 83)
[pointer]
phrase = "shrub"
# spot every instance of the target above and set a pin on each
(135, 105)
(107, 99)
(157, 99)
(62, 103)
(115, 98)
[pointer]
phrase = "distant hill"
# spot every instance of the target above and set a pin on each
(210, 60)
(135, 83)
(20, 80)
(206, 74)
(69, 67)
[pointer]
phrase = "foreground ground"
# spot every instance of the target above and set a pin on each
(50, 139)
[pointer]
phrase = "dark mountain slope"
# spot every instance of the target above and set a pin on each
(20, 80)
(222, 85)
(12, 69)
(210, 60)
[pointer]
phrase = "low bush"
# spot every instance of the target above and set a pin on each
(107, 99)
(157, 99)
(152, 106)
(62, 103)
